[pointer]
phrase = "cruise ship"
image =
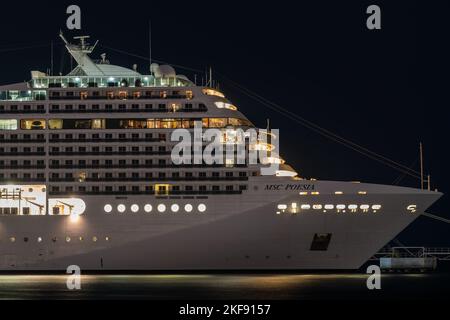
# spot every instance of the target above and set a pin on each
(87, 178)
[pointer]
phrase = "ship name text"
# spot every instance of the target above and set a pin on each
(290, 187)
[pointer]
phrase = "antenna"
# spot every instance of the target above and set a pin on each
(210, 77)
(150, 44)
(61, 35)
(51, 58)
(421, 165)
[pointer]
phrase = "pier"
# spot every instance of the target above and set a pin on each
(411, 258)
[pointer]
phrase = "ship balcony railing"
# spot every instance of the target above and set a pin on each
(21, 154)
(22, 111)
(128, 97)
(155, 179)
(143, 166)
(22, 167)
(131, 193)
(21, 180)
(143, 153)
(105, 140)
(141, 110)
(14, 141)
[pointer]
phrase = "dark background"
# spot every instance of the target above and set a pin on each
(386, 90)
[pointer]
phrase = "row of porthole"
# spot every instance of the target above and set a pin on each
(295, 208)
(67, 239)
(121, 208)
(330, 206)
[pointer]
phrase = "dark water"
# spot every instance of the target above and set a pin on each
(226, 287)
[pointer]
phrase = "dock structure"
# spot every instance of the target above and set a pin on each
(411, 258)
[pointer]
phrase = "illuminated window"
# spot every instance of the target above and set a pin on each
(162, 189)
(148, 208)
(94, 239)
(362, 192)
(68, 239)
(338, 192)
(162, 208)
(98, 124)
(317, 207)
(224, 105)
(188, 208)
(341, 206)
(121, 208)
(8, 124)
(32, 124)
(305, 207)
(108, 208)
(315, 193)
(329, 207)
(376, 207)
(175, 208)
(217, 122)
(39, 239)
(134, 208)
(12, 239)
(55, 124)
(212, 92)
(201, 208)
(282, 207)
(303, 193)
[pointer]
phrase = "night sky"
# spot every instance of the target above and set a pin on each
(385, 90)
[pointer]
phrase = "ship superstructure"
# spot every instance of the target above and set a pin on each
(87, 178)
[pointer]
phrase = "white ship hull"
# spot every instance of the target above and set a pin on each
(237, 232)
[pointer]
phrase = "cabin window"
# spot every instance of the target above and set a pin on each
(55, 124)
(8, 124)
(32, 124)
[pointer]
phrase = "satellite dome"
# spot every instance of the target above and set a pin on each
(167, 71)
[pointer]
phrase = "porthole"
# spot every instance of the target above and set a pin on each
(134, 208)
(94, 239)
(12, 239)
(188, 208)
(162, 208)
(202, 208)
(175, 208)
(108, 208)
(68, 239)
(81, 239)
(107, 238)
(148, 208)
(121, 208)
(39, 239)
